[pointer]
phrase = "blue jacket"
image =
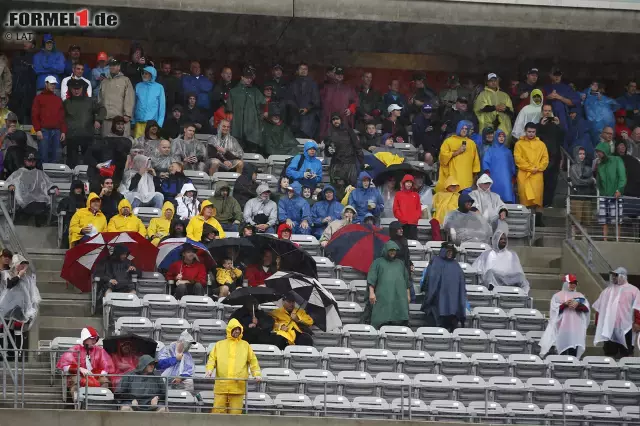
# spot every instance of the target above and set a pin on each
(629, 102)
(310, 163)
(391, 98)
(498, 160)
(68, 69)
(150, 100)
(95, 73)
(359, 198)
(296, 208)
(201, 86)
(48, 63)
(324, 208)
(578, 134)
(599, 110)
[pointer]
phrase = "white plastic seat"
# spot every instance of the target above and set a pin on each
(471, 340)
(393, 385)
(630, 368)
(308, 243)
(491, 412)
(326, 268)
(418, 270)
(199, 353)
(488, 364)
(526, 319)
(146, 286)
(333, 406)
(377, 360)
(205, 194)
(417, 318)
(227, 310)
(416, 250)
(564, 366)
(520, 221)
(630, 412)
(453, 363)
(96, 398)
(432, 249)
(340, 359)
(57, 173)
(198, 307)
(80, 172)
(255, 158)
(337, 287)
(524, 413)
(279, 380)
(434, 339)
(601, 368)
(326, 339)
(180, 401)
(490, 318)
(116, 305)
(508, 389)
(601, 415)
(358, 289)
(302, 357)
(276, 163)
(479, 295)
(269, 356)
(348, 274)
(356, 383)
(136, 325)
(620, 393)
(367, 407)
(269, 179)
(509, 297)
(448, 411)
(433, 386)
(569, 415)
(350, 312)
(169, 329)
(145, 214)
(317, 382)
(160, 306)
(544, 390)
(360, 336)
(414, 362)
(207, 331)
(533, 341)
(259, 403)
(508, 341)
(200, 180)
(229, 177)
(414, 409)
(472, 250)
(396, 338)
(469, 388)
(525, 366)
(583, 391)
(293, 404)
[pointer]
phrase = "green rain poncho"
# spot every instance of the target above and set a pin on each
(278, 140)
(245, 102)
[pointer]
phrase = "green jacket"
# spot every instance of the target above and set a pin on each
(246, 105)
(279, 140)
(227, 210)
(612, 175)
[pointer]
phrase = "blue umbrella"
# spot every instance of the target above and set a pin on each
(170, 250)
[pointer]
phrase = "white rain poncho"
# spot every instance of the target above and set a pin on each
(146, 189)
(228, 142)
(19, 303)
(32, 186)
(615, 307)
(501, 267)
(566, 329)
(467, 227)
(488, 203)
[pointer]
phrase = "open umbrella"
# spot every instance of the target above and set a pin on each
(137, 344)
(398, 171)
(356, 246)
(316, 300)
(236, 248)
(245, 294)
(292, 258)
(372, 165)
(170, 251)
(81, 260)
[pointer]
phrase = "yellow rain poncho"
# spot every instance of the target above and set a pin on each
(462, 167)
(490, 97)
(84, 217)
(532, 159)
(389, 158)
(445, 201)
(161, 225)
(131, 223)
(196, 224)
(281, 317)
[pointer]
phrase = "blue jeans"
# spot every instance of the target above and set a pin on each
(298, 230)
(156, 202)
(49, 147)
(229, 227)
(269, 230)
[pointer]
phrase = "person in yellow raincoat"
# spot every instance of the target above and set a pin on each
(532, 159)
(231, 359)
(290, 323)
(459, 158)
(493, 107)
(446, 201)
(196, 224)
(159, 226)
(126, 221)
(87, 222)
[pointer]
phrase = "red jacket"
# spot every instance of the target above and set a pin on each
(195, 272)
(406, 206)
(256, 275)
(47, 112)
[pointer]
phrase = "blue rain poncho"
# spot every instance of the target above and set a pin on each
(499, 162)
(444, 288)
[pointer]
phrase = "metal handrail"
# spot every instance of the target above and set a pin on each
(587, 249)
(8, 234)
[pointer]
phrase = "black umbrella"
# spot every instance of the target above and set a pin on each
(140, 345)
(398, 171)
(241, 248)
(292, 258)
(245, 294)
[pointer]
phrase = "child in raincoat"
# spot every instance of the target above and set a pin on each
(159, 226)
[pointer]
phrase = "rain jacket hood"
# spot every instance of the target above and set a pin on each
(307, 146)
(408, 178)
(360, 197)
(207, 203)
(168, 205)
(389, 245)
(92, 196)
(219, 186)
(152, 71)
(188, 187)
(461, 124)
(263, 187)
(196, 224)
(297, 188)
(495, 138)
(84, 217)
(535, 92)
(161, 225)
(284, 227)
(451, 181)
(348, 207)
(143, 363)
(485, 178)
(576, 151)
(234, 323)
(362, 176)
(604, 148)
(124, 203)
(495, 240)
(150, 100)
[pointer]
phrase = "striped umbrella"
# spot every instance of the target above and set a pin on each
(170, 251)
(356, 246)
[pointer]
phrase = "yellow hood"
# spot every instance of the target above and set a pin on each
(206, 203)
(168, 205)
(533, 93)
(233, 324)
(91, 197)
(451, 180)
(122, 204)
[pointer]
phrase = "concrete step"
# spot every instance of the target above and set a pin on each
(538, 257)
(68, 308)
(51, 327)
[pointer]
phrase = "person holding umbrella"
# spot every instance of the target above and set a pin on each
(348, 213)
(292, 324)
(257, 323)
(256, 274)
(189, 274)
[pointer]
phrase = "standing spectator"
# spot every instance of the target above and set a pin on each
(407, 208)
(459, 158)
(195, 115)
(582, 183)
(279, 85)
(578, 132)
(306, 168)
(551, 133)
(393, 96)
(611, 179)
(525, 91)
(150, 102)
(632, 188)
(31, 188)
(630, 102)
(486, 140)
(116, 270)
(171, 84)
(261, 212)
(246, 185)
(48, 62)
(303, 101)
(133, 68)
(82, 115)
(187, 201)
(199, 85)
(221, 90)
(294, 210)
(498, 162)
(47, 116)
(126, 221)
(447, 200)
(74, 59)
(493, 106)
(24, 82)
(189, 274)
(141, 389)
(617, 312)
(87, 222)
(191, 151)
(532, 112)
(78, 70)
(117, 96)
(224, 150)
(107, 157)
(244, 108)
(228, 211)
(454, 91)
(457, 113)
(99, 73)
(598, 109)
(622, 131)
(388, 282)
(561, 96)
(140, 186)
(394, 124)
(196, 224)
(532, 159)
(345, 151)
(325, 211)
(370, 107)
(365, 198)
(176, 363)
(422, 95)
(159, 227)
(337, 96)
(427, 133)
(174, 125)
(277, 137)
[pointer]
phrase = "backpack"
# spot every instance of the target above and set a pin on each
(287, 162)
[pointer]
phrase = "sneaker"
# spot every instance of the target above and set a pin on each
(75, 396)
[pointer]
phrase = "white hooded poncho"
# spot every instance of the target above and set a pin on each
(615, 307)
(501, 267)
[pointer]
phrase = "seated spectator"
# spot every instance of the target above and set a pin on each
(427, 133)
(142, 390)
(306, 168)
(159, 226)
(17, 152)
(99, 73)
(195, 115)
(388, 284)
(110, 198)
(245, 187)
(126, 221)
(174, 360)
(343, 146)
(115, 271)
(582, 185)
(256, 322)
(140, 186)
(370, 140)
(256, 274)
(498, 162)
(189, 274)
(228, 211)
(247, 230)
(76, 200)
(465, 224)
(284, 232)
(407, 208)
(292, 324)
(31, 188)
(446, 201)
(5, 259)
(445, 301)
(209, 233)
(106, 157)
(394, 124)
(325, 211)
(173, 182)
(178, 230)
(387, 153)
(310, 196)
(95, 363)
(125, 360)
(261, 212)
(191, 151)
(161, 159)
(87, 222)
(348, 213)
(283, 183)
(369, 220)
(365, 198)
(294, 210)
(489, 204)
(227, 277)
(19, 295)
(173, 126)
(188, 204)
(459, 157)
(501, 266)
(225, 152)
(388, 190)
(150, 141)
(207, 215)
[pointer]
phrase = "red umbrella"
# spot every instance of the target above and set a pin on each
(356, 246)
(81, 261)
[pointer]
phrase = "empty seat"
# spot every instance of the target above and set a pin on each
(393, 385)
(254, 158)
(318, 382)
(525, 366)
(471, 340)
(533, 341)
(452, 363)
(259, 403)
(508, 389)
(199, 353)
(432, 249)
(620, 393)
(377, 360)
(414, 409)
(145, 214)
(276, 163)
(80, 173)
(350, 312)
(293, 404)
(358, 290)
(326, 339)
(340, 359)
(269, 179)
(57, 173)
(356, 383)
(526, 319)
(448, 411)
(137, 325)
(564, 366)
(563, 414)
(200, 180)
(490, 318)
(308, 243)
(601, 415)
(432, 386)
(416, 250)
(630, 368)
(326, 268)
(348, 274)
(302, 357)
(469, 388)
(269, 356)
(181, 401)
(96, 398)
(160, 306)
(519, 219)
(279, 380)
(198, 307)
(396, 338)
(434, 339)
(630, 413)
(229, 177)
(472, 250)
(414, 362)
(544, 390)
(417, 318)
(479, 295)
(205, 194)
(360, 336)
(487, 364)
(409, 151)
(601, 368)
(332, 406)
(207, 331)
(228, 310)
(338, 288)
(116, 305)
(583, 391)
(523, 413)
(371, 408)
(146, 286)
(508, 341)
(490, 412)
(509, 297)
(169, 329)
(418, 270)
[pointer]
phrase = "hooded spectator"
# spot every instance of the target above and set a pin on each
(325, 211)
(345, 151)
(76, 73)
(261, 212)
(178, 229)
(295, 211)
(199, 85)
(447, 200)
(303, 100)
(24, 82)
(193, 114)
(632, 169)
(277, 137)
(115, 271)
(150, 102)
(87, 222)
(621, 131)
(599, 110)
(388, 191)
(256, 322)
(498, 162)
(191, 151)
(365, 198)
(228, 211)
(189, 274)
(524, 90)
(99, 73)
(224, 150)
(176, 363)
(630, 103)
(76, 200)
(486, 140)
(134, 67)
(336, 95)
(611, 180)
(47, 116)
(370, 109)
(244, 108)
(15, 155)
(188, 204)
(118, 97)
(150, 141)
(407, 207)
(465, 224)
(246, 185)
(292, 323)
(31, 188)
(561, 96)
(207, 215)
(48, 62)
(159, 227)
(126, 221)
(493, 107)
(284, 232)
(582, 183)
(427, 133)
(140, 185)
(174, 125)
(459, 158)
(305, 168)
(396, 234)
(530, 113)
(82, 115)
(489, 203)
(142, 390)
(457, 113)
(532, 159)
(501, 266)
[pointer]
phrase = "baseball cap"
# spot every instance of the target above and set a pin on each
(11, 116)
(102, 56)
(462, 100)
(267, 86)
(393, 107)
(556, 71)
(31, 157)
(277, 66)
(335, 115)
(74, 47)
(6, 253)
(492, 75)
(51, 79)
(249, 71)
(620, 271)
(339, 70)
(419, 76)
(532, 71)
(569, 278)
(427, 108)
(113, 61)
(74, 83)
(118, 119)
